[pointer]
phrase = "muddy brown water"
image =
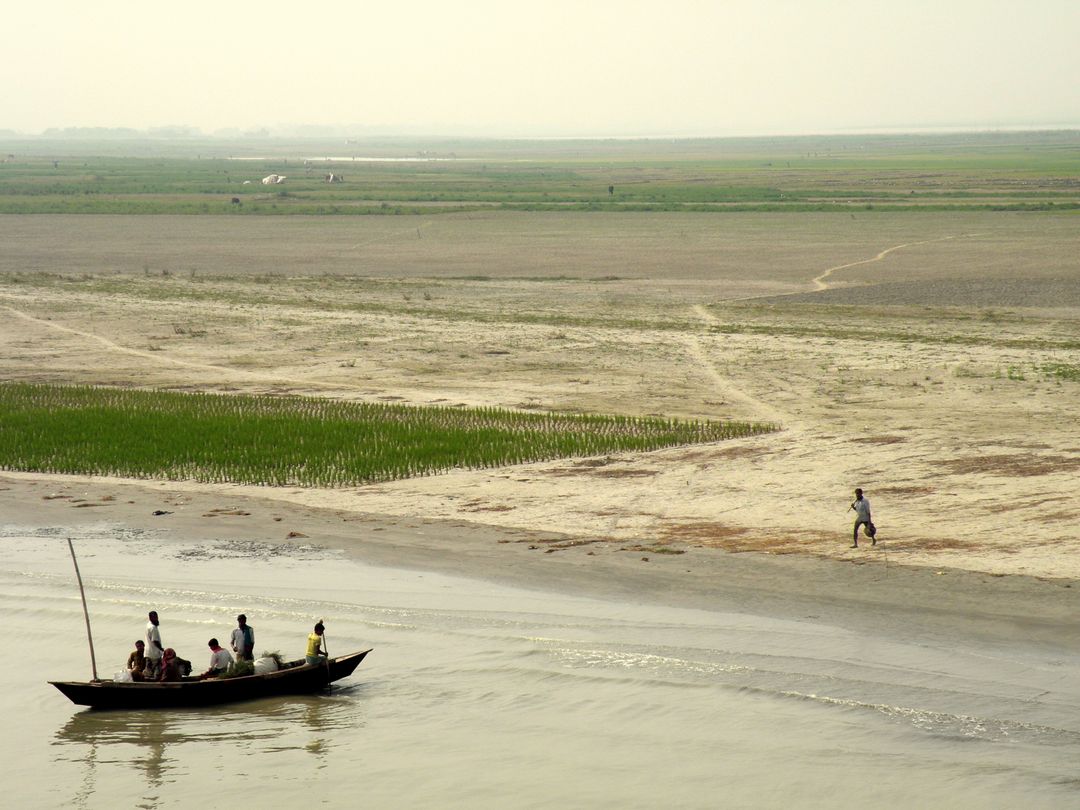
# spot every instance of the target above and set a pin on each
(485, 696)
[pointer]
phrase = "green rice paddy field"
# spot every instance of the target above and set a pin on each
(987, 171)
(301, 441)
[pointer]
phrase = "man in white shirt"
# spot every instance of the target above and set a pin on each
(220, 658)
(861, 506)
(154, 649)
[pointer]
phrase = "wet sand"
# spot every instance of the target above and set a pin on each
(872, 591)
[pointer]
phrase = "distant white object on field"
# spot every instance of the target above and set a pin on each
(273, 179)
(335, 178)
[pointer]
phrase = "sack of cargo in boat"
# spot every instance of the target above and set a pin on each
(264, 665)
(122, 677)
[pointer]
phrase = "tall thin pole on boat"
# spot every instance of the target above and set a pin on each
(86, 613)
(326, 650)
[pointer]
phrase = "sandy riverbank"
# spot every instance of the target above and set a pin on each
(955, 416)
(872, 591)
(956, 419)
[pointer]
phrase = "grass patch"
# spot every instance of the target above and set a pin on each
(1062, 371)
(874, 335)
(302, 441)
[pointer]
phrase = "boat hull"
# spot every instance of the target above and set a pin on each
(296, 678)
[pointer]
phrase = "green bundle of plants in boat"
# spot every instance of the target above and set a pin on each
(303, 441)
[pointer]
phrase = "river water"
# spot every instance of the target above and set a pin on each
(484, 696)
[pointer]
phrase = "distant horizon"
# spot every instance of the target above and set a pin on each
(332, 131)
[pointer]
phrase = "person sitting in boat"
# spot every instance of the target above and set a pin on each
(136, 662)
(316, 653)
(220, 659)
(170, 666)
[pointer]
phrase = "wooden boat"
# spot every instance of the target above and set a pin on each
(294, 678)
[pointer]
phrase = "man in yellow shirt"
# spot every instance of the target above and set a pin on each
(316, 652)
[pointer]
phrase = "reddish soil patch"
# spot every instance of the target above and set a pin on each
(624, 473)
(477, 506)
(598, 468)
(1062, 516)
(1014, 505)
(688, 532)
(1014, 464)
(740, 452)
(737, 540)
(712, 454)
(940, 544)
(908, 491)
(656, 549)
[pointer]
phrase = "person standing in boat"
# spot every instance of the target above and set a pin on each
(316, 652)
(220, 660)
(243, 640)
(154, 649)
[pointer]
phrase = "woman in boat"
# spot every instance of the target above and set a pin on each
(170, 666)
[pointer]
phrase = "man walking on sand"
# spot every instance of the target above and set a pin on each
(861, 506)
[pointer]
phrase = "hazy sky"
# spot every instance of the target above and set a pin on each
(548, 67)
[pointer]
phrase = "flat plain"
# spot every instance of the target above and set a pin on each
(930, 356)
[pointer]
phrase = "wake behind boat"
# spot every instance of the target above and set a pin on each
(293, 678)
